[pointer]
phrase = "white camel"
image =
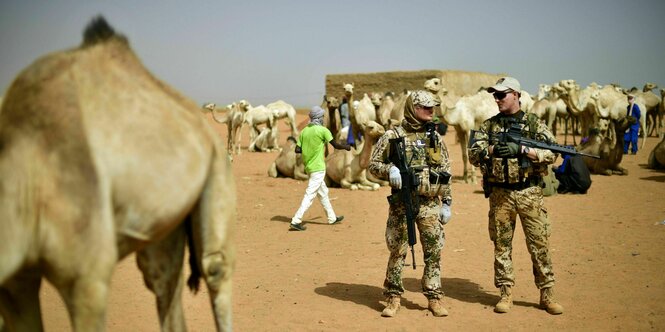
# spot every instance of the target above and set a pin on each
(119, 162)
(266, 141)
(651, 112)
(256, 116)
(469, 113)
(284, 110)
(233, 120)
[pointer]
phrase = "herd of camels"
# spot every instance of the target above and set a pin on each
(88, 139)
(596, 112)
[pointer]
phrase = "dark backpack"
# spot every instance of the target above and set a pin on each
(573, 175)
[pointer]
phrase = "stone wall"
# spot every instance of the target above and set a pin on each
(459, 82)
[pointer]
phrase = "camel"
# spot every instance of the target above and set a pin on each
(383, 113)
(331, 119)
(288, 163)
(549, 107)
(469, 113)
(284, 110)
(233, 127)
(100, 159)
(651, 112)
(348, 169)
(266, 141)
(610, 149)
(355, 126)
(657, 156)
(526, 101)
(255, 116)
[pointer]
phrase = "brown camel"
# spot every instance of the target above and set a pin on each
(609, 148)
(657, 156)
(348, 169)
(288, 163)
(100, 159)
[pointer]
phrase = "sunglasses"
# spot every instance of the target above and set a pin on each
(499, 95)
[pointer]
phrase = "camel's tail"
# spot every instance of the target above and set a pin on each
(194, 280)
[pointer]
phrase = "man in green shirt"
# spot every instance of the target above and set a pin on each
(311, 144)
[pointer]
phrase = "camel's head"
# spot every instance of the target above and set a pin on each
(348, 88)
(649, 86)
(569, 85)
(433, 85)
(376, 98)
(208, 107)
(373, 129)
(243, 105)
(595, 85)
(332, 103)
(603, 126)
(662, 93)
(544, 90)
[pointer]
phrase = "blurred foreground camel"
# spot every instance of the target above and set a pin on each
(100, 159)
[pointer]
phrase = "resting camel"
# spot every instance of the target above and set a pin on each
(469, 113)
(100, 159)
(657, 156)
(266, 141)
(609, 148)
(288, 163)
(284, 110)
(348, 169)
(233, 126)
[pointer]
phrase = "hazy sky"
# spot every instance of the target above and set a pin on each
(262, 51)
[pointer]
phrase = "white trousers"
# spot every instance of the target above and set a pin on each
(315, 186)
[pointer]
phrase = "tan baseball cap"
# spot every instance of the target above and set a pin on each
(504, 84)
(424, 98)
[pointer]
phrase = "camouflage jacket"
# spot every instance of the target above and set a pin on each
(509, 170)
(419, 155)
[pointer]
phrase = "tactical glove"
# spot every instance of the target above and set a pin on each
(506, 150)
(445, 214)
(395, 178)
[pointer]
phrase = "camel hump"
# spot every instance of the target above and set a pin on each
(98, 31)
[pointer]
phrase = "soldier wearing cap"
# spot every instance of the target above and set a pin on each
(428, 154)
(515, 189)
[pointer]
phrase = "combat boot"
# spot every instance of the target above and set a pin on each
(436, 307)
(548, 303)
(506, 301)
(392, 305)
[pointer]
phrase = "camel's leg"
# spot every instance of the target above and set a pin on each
(161, 263)
(212, 227)
(463, 136)
(19, 303)
(86, 298)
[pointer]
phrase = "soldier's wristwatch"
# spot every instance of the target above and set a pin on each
(526, 150)
(447, 201)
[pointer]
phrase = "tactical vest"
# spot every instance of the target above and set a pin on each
(511, 171)
(424, 158)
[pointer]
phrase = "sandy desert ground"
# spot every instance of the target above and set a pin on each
(608, 250)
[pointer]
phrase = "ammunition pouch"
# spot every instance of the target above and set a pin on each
(535, 181)
(432, 183)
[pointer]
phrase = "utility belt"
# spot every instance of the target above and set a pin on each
(535, 181)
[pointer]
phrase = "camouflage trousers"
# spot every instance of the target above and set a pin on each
(505, 206)
(431, 238)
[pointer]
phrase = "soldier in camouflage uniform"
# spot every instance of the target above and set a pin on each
(427, 154)
(512, 178)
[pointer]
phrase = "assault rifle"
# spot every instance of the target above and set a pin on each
(410, 181)
(514, 134)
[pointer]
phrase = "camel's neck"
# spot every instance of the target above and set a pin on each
(366, 153)
(572, 100)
